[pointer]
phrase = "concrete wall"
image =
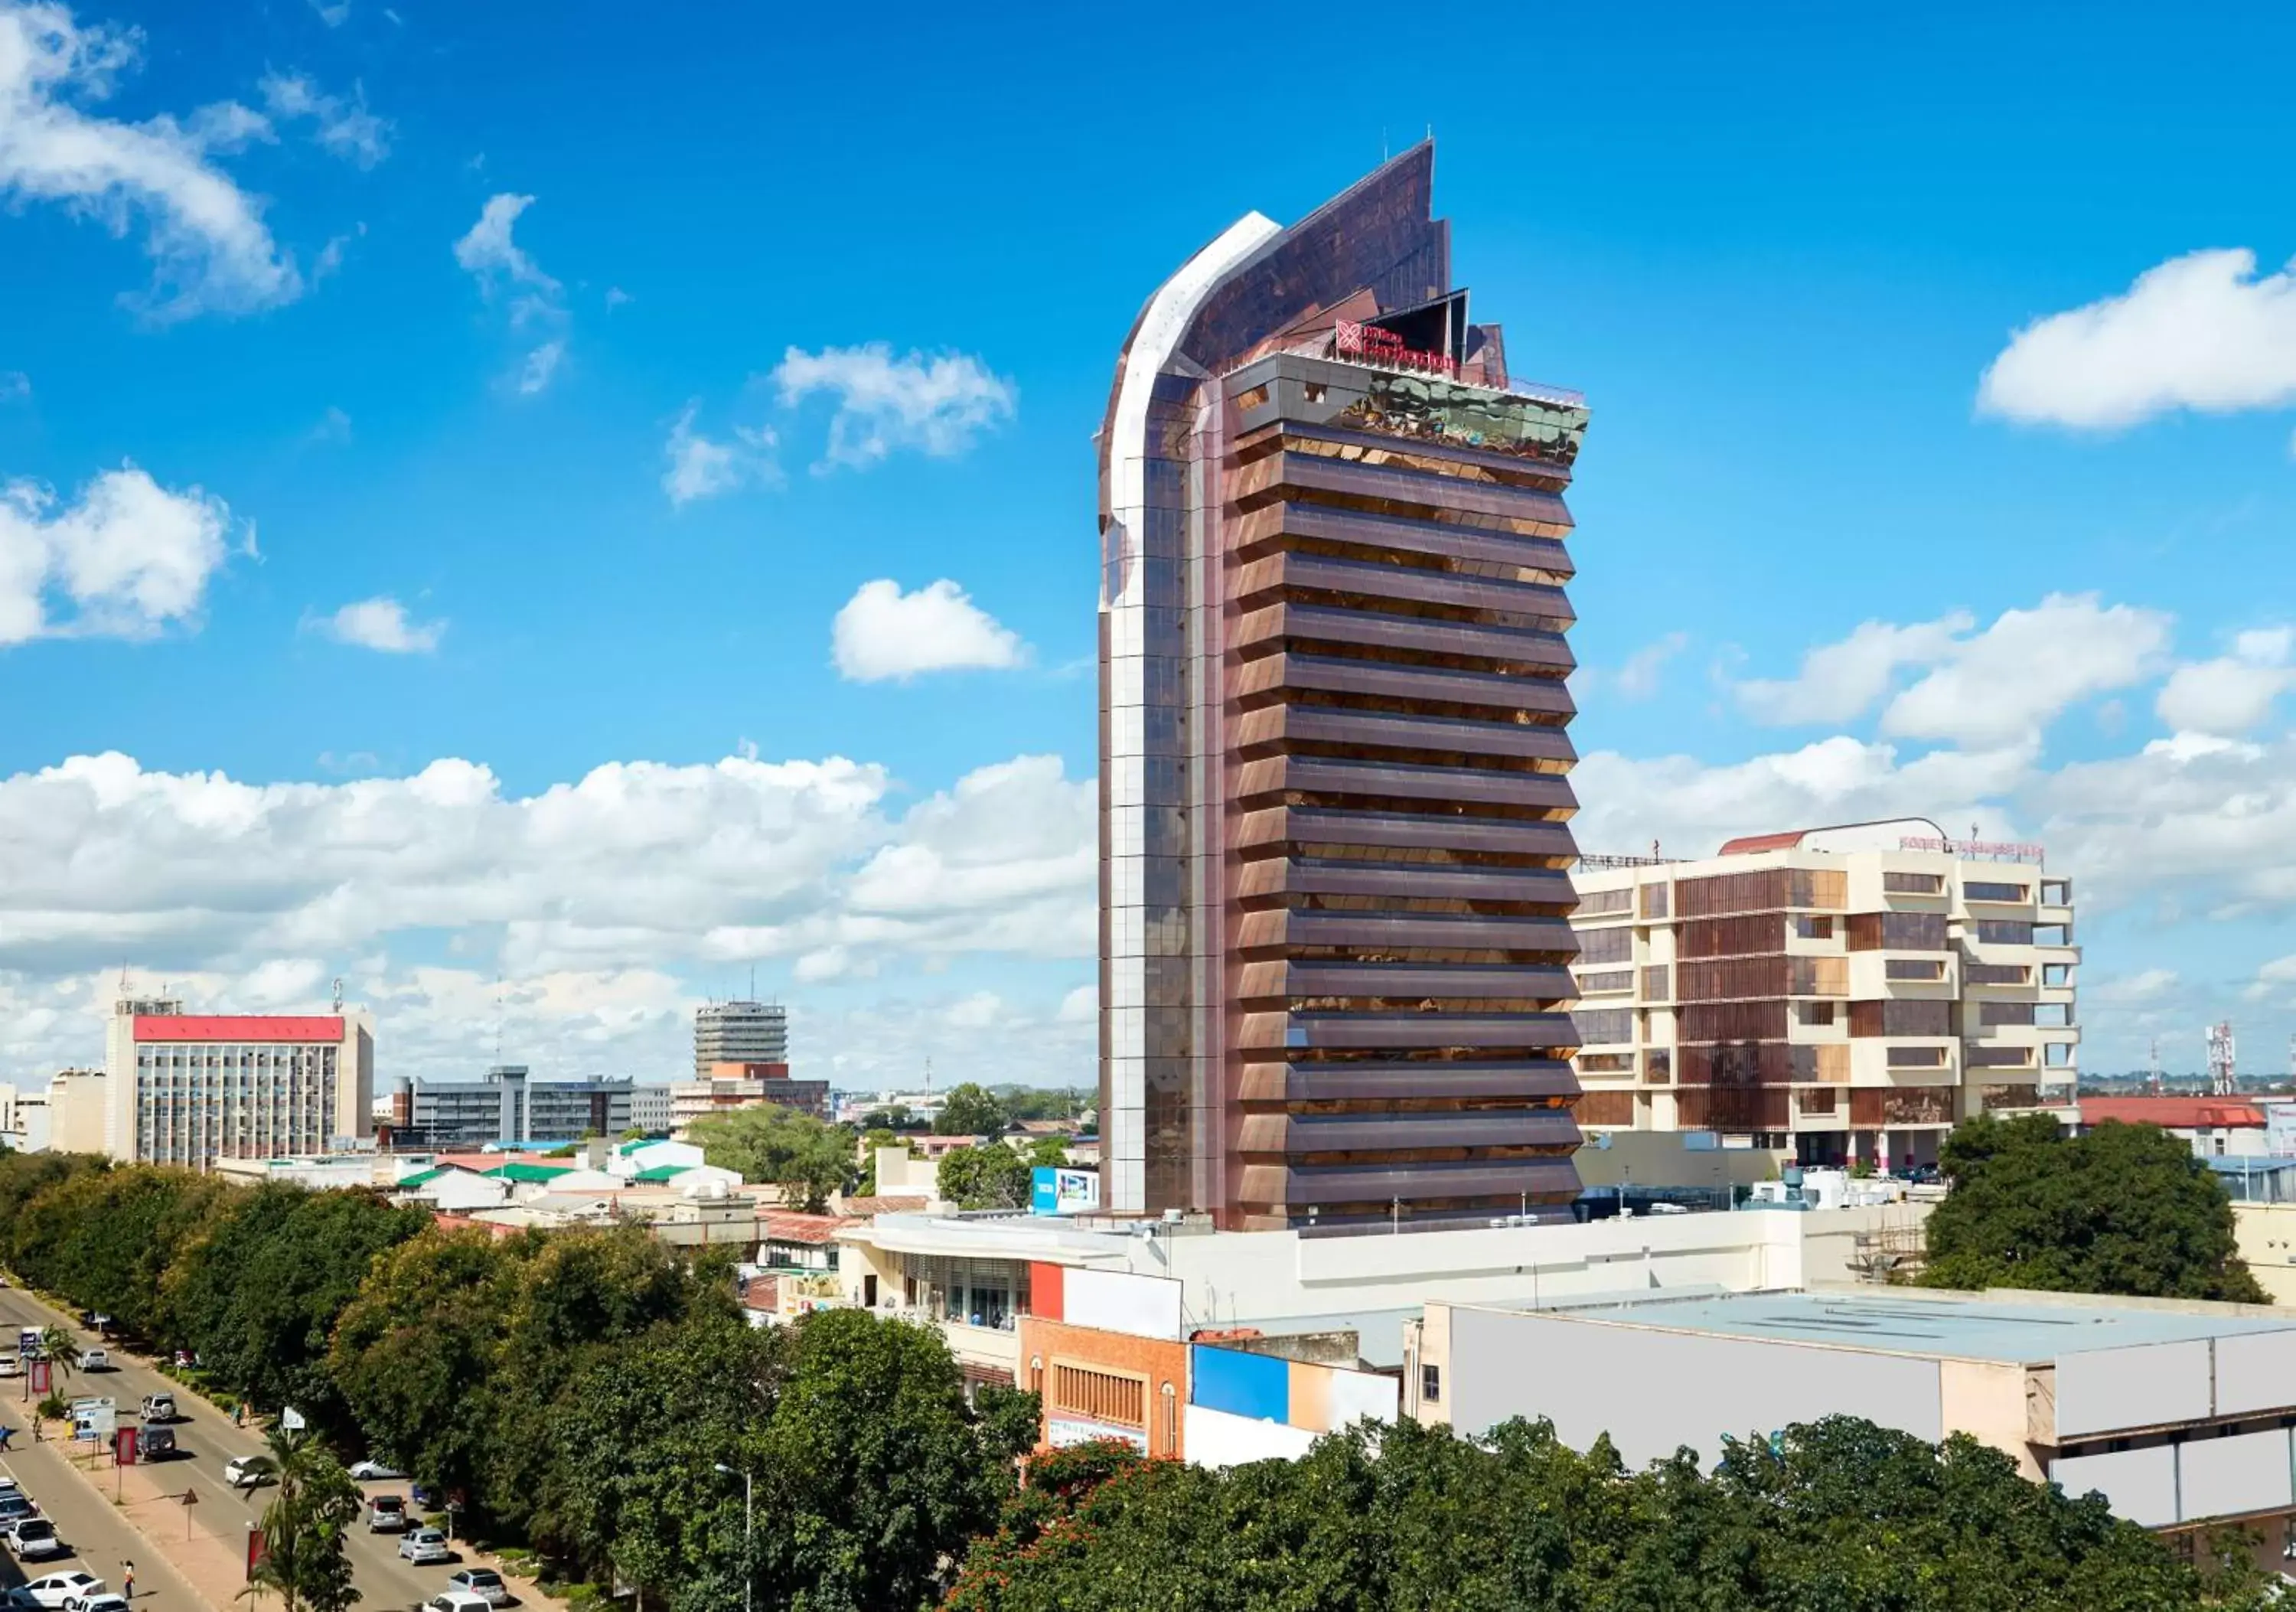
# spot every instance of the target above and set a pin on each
(1216, 1438)
(1660, 1158)
(2267, 1234)
(1654, 1392)
(1160, 1364)
(1264, 1276)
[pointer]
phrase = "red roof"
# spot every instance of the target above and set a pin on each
(2174, 1112)
(787, 1226)
(238, 1027)
(1748, 842)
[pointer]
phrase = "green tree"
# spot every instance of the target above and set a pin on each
(2127, 1209)
(988, 1177)
(807, 1159)
(1052, 1150)
(1840, 1515)
(969, 1110)
(306, 1527)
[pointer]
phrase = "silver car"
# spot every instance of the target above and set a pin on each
(425, 1547)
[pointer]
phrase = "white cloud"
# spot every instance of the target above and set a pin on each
(334, 426)
(488, 252)
(936, 404)
(2010, 681)
(1638, 678)
(883, 633)
(130, 557)
(1081, 1005)
(616, 297)
(2201, 331)
(1840, 681)
(631, 871)
(2134, 989)
(979, 1011)
(343, 125)
(2234, 693)
(540, 366)
(210, 252)
(702, 468)
(336, 15)
(15, 386)
(382, 624)
(1999, 686)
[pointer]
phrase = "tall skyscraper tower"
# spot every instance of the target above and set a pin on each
(739, 1032)
(1334, 838)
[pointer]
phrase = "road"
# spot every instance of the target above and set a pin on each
(100, 1538)
(205, 1442)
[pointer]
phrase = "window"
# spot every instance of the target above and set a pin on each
(1100, 1396)
(1606, 945)
(1813, 1013)
(1605, 1063)
(1813, 928)
(2053, 935)
(1655, 983)
(2056, 892)
(2056, 974)
(2058, 1055)
(1598, 984)
(2052, 1016)
(1897, 932)
(1654, 900)
(1980, 889)
(1608, 1026)
(1916, 1057)
(1658, 1066)
(1595, 903)
(1996, 974)
(1912, 968)
(1912, 884)
(1894, 1017)
(2005, 1013)
(1431, 1385)
(2004, 931)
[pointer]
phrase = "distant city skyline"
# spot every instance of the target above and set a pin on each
(537, 566)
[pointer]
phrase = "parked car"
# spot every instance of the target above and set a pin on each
(157, 1444)
(249, 1471)
(373, 1471)
(458, 1600)
(57, 1590)
(12, 1365)
(484, 1583)
(35, 1540)
(386, 1514)
(160, 1407)
(425, 1547)
(103, 1601)
(95, 1360)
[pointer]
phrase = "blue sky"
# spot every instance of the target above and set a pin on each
(349, 473)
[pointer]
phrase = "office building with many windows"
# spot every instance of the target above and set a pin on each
(508, 1106)
(1849, 993)
(739, 1032)
(1335, 887)
(188, 1089)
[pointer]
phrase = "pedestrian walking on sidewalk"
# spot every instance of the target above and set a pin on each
(5, 1435)
(127, 1579)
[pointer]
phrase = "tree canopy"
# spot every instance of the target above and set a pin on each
(991, 1176)
(2127, 1209)
(969, 1110)
(808, 1160)
(1842, 1515)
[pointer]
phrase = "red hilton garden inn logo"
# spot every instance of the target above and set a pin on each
(1369, 345)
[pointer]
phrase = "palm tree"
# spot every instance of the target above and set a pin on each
(306, 1527)
(62, 1347)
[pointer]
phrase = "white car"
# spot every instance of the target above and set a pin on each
(458, 1600)
(103, 1601)
(425, 1547)
(373, 1471)
(57, 1590)
(11, 1366)
(484, 1583)
(34, 1539)
(95, 1360)
(248, 1471)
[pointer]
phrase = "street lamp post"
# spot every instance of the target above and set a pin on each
(749, 1523)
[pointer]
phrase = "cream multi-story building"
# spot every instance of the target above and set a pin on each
(1846, 993)
(188, 1089)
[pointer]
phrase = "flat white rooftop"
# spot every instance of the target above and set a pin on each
(2022, 1330)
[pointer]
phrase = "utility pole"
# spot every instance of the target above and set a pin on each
(749, 1521)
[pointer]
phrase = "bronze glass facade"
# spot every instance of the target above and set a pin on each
(1335, 943)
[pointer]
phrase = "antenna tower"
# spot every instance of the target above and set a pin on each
(2221, 1058)
(2152, 1083)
